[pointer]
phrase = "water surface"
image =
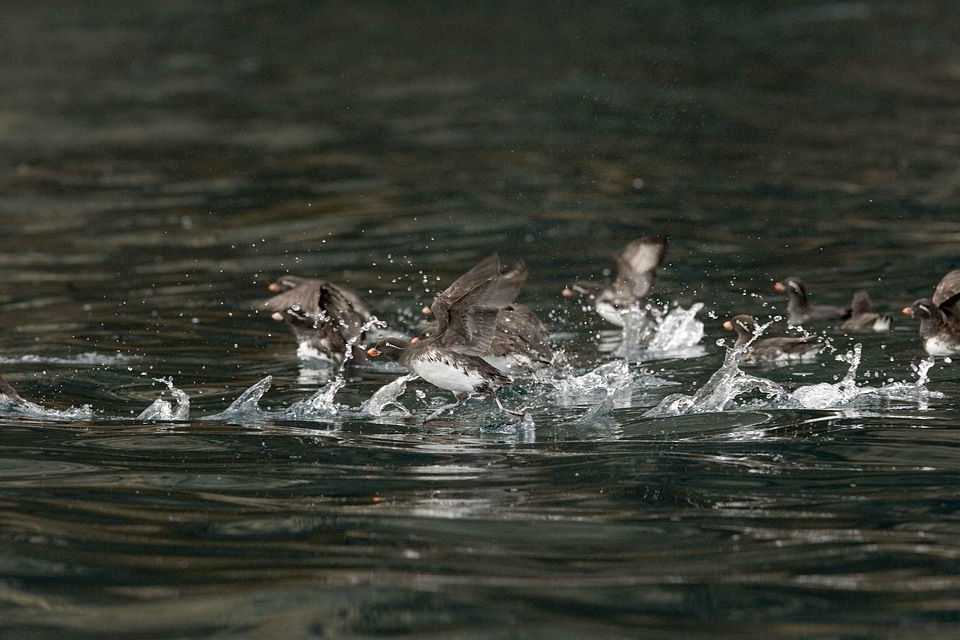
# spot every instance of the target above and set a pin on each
(160, 166)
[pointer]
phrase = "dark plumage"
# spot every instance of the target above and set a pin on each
(862, 319)
(799, 309)
(947, 293)
(636, 275)
(940, 317)
(938, 327)
(520, 342)
(466, 313)
(768, 349)
(325, 318)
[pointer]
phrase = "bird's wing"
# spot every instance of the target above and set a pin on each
(637, 264)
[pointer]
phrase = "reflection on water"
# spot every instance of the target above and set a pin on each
(179, 472)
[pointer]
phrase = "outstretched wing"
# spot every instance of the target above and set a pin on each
(300, 303)
(948, 293)
(486, 270)
(473, 318)
(519, 329)
(637, 264)
(329, 309)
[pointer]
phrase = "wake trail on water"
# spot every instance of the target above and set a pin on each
(608, 386)
(731, 389)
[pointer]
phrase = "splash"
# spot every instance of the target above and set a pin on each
(731, 389)
(607, 378)
(164, 411)
(387, 395)
(678, 331)
(721, 392)
(609, 386)
(309, 354)
(19, 408)
(654, 333)
(922, 368)
(91, 358)
(246, 408)
(320, 405)
(823, 395)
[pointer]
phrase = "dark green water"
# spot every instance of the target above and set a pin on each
(159, 165)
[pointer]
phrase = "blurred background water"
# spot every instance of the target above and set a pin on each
(160, 164)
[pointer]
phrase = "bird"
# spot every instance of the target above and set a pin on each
(862, 319)
(940, 317)
(939, 328)
(520, 342)
(521, 339)
(799, 309)
(466, 313)
(768, 349)
(636, 275)
(327, 319)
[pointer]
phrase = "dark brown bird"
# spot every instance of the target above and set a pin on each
(636, 274)
(940, 317)
(799, 309)
(520, 343)
(938, 328)
(326, 318)
(466, 312)
(768, 349)
(520, 340)
(862, 319)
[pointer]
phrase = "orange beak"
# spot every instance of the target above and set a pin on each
(779, 287)
(415, 340)
(728, 325)
(274, 287)
(372, 352)
(907, 311)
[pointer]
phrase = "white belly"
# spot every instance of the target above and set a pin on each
(306, 351)
(448, 376)
(936, 347)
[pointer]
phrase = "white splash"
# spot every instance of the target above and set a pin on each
(655, 333)
(731, 389)
(720, 393)
(387, 395)
(246, 408)
(19, 408)
(609, 378)
(163, 411)
(318, 406)
(91, 358)
(609, 386)
(679, 330)
(824, 394)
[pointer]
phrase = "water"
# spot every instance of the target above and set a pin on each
(179, 472)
